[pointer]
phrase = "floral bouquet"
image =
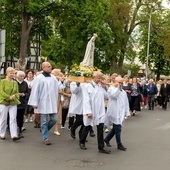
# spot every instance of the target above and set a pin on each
(81, 73)
(86, 71)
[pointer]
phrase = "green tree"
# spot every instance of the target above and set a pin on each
(159, 53)
(123, 20)
(23, 20)
(73, 29)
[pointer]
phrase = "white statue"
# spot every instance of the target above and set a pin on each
(89, 54)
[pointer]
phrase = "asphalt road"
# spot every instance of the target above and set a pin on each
(146, 136)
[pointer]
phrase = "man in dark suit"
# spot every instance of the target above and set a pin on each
(165, 93)
(151, 92)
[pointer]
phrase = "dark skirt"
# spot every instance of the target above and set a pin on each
(29, 109)
(135, 103)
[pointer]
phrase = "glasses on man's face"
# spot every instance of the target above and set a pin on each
(120, 82)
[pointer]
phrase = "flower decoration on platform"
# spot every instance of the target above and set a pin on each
(86, 71)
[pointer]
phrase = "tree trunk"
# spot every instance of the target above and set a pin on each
(122, 55)
(26, 27)
(113, 68)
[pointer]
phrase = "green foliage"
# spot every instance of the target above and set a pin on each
(132, 67)
(79, 22)
(64, 28)
(159, 46)
(52, 64)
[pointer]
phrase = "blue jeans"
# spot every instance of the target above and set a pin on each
(116, 130)
(47, 125)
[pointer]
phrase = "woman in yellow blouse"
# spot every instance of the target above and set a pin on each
(9, 99)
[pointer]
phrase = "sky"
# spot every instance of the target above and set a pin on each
(165, 4)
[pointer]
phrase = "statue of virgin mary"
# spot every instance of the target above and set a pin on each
(89, 54)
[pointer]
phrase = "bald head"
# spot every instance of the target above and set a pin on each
(46, 66)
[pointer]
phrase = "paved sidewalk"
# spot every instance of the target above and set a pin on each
(146, 136)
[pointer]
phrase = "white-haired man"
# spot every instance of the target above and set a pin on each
(117, 110)
(94, 111)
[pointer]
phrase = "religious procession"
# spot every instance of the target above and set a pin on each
(49, 98)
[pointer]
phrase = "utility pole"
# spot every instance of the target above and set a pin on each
(148, 45)
(2, 47)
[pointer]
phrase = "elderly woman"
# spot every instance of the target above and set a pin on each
(9, 99)
(24, 93)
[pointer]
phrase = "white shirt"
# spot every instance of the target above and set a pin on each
(118, 106)
(76, 101)
(93, 103)
(44, 94)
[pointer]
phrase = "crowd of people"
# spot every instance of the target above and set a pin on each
(47, 98)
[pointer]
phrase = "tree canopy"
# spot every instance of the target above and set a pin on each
(65, 26)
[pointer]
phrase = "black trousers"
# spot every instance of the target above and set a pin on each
(20, 118)
(85, 132)
(64, 117)
(151, 101)
(164, 102)
(78, 122)
(70, 122)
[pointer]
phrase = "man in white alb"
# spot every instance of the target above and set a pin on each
(94, 110)
(43, 98)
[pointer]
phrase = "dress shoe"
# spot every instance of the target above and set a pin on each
(72, 134)
(21, 135)
(36, 125)
(133, 114)
(104, 151)
(2, 137)
(107, 143)
(121, 147)
(47, 142)
(82, 146)
(92, 134)
(16, 138)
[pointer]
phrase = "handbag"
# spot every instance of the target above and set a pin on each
(6, 103)
(65, 103)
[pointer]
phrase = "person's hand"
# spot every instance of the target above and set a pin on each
(90, 116)
(128, 91)
(13, 97)
(22, 94)
(117, 85)
(35, 107)
(61, 92)
(69, 95)
(103, 84)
